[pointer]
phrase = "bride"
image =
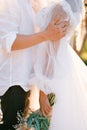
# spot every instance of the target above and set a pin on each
(60, 70)
(57, 68)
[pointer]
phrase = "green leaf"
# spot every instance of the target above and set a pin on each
(37, 125)
(37, 120)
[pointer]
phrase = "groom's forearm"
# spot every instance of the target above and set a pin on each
(26, 41)
(52, 32)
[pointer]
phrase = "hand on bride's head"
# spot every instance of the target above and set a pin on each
(56, 20)
(56, 29)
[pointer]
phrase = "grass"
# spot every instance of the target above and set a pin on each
(83, 54)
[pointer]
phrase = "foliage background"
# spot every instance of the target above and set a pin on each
(83, 52)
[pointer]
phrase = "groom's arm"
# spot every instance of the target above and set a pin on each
(52, 32)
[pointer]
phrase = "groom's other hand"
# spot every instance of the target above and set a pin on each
(56, 29)
(44, 104)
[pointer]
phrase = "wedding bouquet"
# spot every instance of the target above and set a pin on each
(33, 118)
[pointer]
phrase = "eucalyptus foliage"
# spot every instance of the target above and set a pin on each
(36, 120)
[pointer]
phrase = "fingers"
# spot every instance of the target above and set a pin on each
(56, 29)
(63, 24)
(66, 23)
(44, 104)
(46, 110)
(63, 27)
(56, 20)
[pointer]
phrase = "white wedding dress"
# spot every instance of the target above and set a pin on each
(60, 70)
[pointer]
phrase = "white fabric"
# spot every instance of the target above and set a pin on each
(48, 51)
(63, 73)
(76, 6)
(16, 16)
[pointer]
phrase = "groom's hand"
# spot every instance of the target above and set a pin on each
(56, 29)
(44, 104)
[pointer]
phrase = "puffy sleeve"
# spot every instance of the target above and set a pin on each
(9, 23)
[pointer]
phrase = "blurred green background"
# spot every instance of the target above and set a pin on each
(83, 51)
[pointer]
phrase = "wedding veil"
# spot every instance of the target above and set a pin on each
(45, 63)
(76, 5)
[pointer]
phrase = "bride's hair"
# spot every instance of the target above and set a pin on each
(58, 11)
(52, 11)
